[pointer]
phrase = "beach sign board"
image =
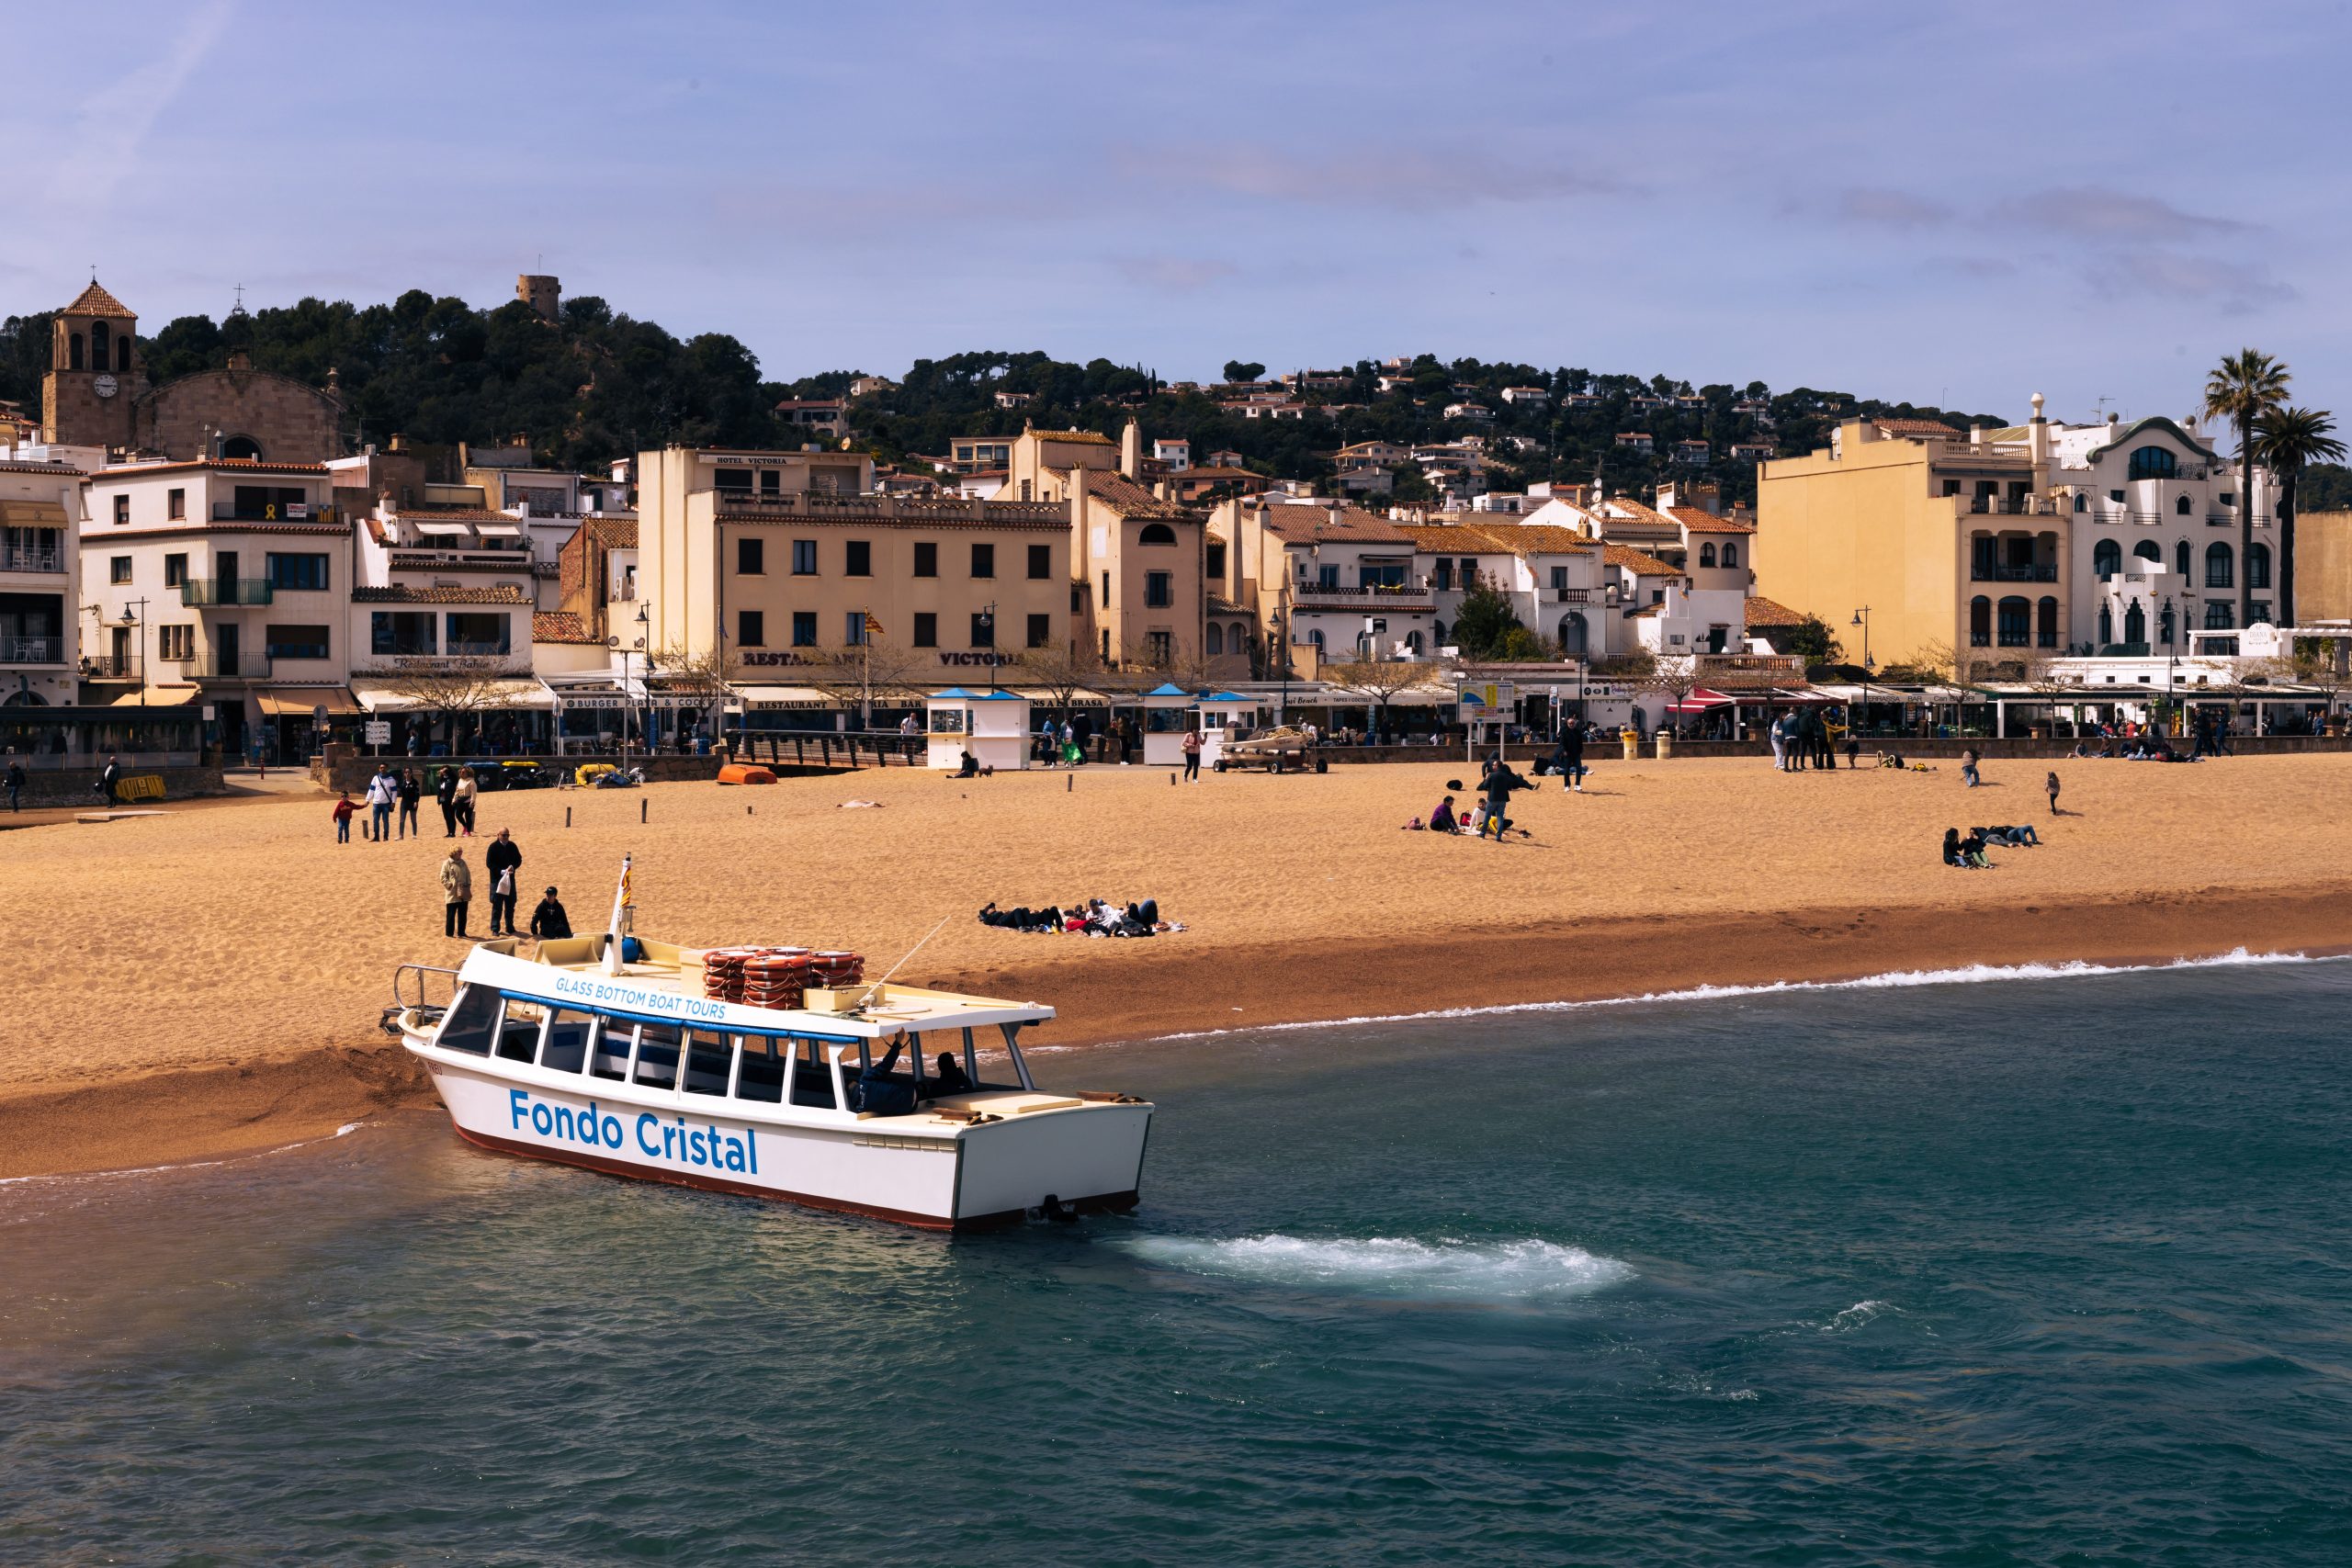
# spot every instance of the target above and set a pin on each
(379, 731)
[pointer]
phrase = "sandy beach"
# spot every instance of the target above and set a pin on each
(208, 981)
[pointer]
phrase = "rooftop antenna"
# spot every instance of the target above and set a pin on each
(2101, 404)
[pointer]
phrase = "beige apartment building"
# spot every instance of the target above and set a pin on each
(1136, 558)
(775, 572)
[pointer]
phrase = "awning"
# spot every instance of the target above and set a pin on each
(499, 530)
(301, 701)
(782, 697)
(505, 694)
(33, 513)
(1701, 700)
(157, 697)
(1054, 699)
(442, 530)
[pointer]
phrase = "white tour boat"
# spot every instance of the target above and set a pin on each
(626, 1056)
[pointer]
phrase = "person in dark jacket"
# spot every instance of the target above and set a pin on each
(1567, 757)
(1499, 781)
(16, 785)
(411, 792)
(549, 921)
(111, 781)
(446, 792)
(1442, 819)
(877, 1093)
(500, 861)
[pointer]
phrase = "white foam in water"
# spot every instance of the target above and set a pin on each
(1393, 1266)
(1964, 975)
(344, 1131)
(1858, 1315)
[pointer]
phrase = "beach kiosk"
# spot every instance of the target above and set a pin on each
(1169, 711)
(993, 724)
(1222, 713)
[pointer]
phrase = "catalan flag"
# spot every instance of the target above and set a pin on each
(873, 627)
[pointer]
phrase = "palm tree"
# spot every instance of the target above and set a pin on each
(2289, 441)
(2244, 389)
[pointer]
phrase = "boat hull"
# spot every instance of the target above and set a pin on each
(1085, 1160)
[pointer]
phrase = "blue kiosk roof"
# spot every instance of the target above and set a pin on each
(958, 693)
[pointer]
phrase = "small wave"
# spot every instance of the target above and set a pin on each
(1857, 1315)
(1963, 974)
(348, 1127)
(1392, 1266)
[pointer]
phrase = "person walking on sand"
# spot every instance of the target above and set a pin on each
(445, 791)
(15, 783)
(1192, 744)
(500, 861)
(1778, 735)
(1967, 769)
(464, 801)
(457, 892)
(383, 795)
(111, 781)
(343, 814)
(2052, 787)
(410, 793)
(1568, 754)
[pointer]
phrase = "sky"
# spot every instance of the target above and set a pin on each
(1945, 205)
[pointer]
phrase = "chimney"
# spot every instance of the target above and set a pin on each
(1131, 450)
(240, 360)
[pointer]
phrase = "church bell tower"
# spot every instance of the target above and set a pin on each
(94, 373)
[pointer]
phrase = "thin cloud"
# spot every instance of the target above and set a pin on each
(2233, 287)
(2088, 212)
(1892, 208)
(114, 122)
(1173, 275)
(1405, 181)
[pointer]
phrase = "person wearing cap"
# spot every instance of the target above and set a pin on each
(549, 921)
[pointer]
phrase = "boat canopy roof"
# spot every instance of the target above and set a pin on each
(665, 983)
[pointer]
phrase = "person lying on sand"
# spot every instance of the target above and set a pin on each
(2019, 836)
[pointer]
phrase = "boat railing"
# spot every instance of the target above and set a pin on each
(423, 1002)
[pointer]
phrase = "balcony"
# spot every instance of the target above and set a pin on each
(271, 512)
(2020, 506)
(210, 665)
(545, 567)
(1567, 596)
(1333, 596)
(12, 559)
(2014, 574)
(32, 650)
(110, 667)
(216, 592)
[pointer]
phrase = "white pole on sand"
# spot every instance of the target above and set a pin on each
(612, 928)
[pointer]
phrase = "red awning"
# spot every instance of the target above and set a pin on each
(1701, 700)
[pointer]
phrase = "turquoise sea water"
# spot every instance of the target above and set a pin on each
(2047, 1271)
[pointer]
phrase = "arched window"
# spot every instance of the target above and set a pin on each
(2017, 623)
(1731, 555)
(2082, 502)
(2106, 625)
(2153, 463)
(2257, 566)
(1316, 636)
(1239, 638)
(2219, 615)
(2180, 505)
(2164, 623)
(101, 347)
(2148, 550)
(2218, 566)
(1156, 534)
(241, 447)
(1572, 635)
(1216, 638)
(74, 350)
(2046, 626)
(2135, 624)
(1706, 555)
(1413, 641)
(1438, 631)
(1980, 622)
(2181, 559)
(2107, 559)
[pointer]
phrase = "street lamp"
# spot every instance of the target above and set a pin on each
(1862, 619)
(2171, 702)
(138, 654)
(643, 720)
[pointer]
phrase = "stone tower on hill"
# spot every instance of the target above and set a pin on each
(541, 292)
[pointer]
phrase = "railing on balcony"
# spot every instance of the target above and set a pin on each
(210, 665)
(1567, 596)
(32, 650)
(12, 559)
(110, 667)
(825, 504)
(2014, 574)
(2020, 506)
(545, 567)
(271, 512)
(213, 593)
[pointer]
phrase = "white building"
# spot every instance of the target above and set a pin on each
(40, 522)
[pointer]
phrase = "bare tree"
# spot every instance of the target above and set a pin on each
(1956, 664)
(1377, 681)
(856, 677)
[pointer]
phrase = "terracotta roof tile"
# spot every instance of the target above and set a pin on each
(561, 625)
(1934, 427)
(612, 533)
(489, 593)
(1637, 562)
(1763, 612)
(1124, 496)
(1086, 437)
(95, 301)
(1699, 521)
(1313, 524)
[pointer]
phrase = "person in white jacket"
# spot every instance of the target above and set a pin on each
(383, 797)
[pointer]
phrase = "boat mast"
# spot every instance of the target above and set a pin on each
(612, 930)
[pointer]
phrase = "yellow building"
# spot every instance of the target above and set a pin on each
(1136, 558)
(2322, 567)
(775, 560)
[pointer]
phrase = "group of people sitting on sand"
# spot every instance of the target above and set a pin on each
(1088, 916)
(1968, 853)
(1497, 782)
(2136, 748)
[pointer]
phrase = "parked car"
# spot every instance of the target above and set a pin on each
(1282, 750)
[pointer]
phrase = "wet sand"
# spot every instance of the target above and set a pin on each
(207, 982)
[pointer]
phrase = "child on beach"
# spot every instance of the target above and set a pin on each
(343, 810)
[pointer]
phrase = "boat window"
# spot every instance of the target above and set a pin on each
(566, 1050)
(473, 1021)
(1013, 1049)
(707, 1062)
(657, 1055)
(518, 1037)
(762, 1073)
(613, 1042)
(812, 1077)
